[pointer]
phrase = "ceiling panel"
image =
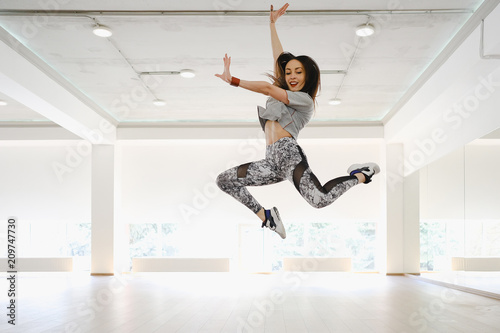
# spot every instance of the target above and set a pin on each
(106, 70)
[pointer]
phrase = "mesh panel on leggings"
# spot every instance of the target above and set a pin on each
(242, 170)
(298, 172)
(334, 182)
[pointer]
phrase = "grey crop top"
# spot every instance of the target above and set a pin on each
(292, 117)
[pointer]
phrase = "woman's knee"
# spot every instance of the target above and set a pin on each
(225, 180)
(221, 181)
(317, 205)
(316, 202)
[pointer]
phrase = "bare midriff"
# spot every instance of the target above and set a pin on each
(274, 132)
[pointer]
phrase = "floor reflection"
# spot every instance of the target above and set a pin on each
(481, 281)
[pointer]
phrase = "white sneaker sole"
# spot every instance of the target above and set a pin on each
(280, 228)
(371, 166)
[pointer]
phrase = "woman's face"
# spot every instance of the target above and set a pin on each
(295, 75)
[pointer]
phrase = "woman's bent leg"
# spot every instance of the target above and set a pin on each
(235, 180)
(320, 196)
(310, 188)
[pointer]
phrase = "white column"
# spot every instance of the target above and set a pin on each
(403, 221)
(411, 225)
(103, 214)
(121, 230)
(394, 210)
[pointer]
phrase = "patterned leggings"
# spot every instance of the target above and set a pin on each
(284, 160)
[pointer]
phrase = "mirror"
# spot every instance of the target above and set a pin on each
(460, 217)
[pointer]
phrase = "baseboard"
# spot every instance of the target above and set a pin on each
(40, 264)
(102, 274)
(317, 264)
(166, 264)
(476, 264)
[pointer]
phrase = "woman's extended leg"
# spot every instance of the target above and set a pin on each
(235, 180)
(320, 196)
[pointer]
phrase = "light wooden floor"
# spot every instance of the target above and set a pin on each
(231, 302)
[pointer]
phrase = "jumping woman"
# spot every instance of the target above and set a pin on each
(288, 109)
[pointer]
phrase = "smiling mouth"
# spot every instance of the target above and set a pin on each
(293, 84)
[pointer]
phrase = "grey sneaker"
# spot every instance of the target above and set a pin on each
(367, 169)
(273, 222)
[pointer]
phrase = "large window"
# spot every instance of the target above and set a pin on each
(254, 248)
(441, 240)
(51, 239)
(482, 238)
(257, 249)
(346, 239)
(180, 240)
(153, 240)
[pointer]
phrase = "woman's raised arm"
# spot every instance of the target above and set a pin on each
(275, 41)
(261, 87)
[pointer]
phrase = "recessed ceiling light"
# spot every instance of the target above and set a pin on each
(365, 30)
(102, 31)
(159, 102)
(334, 101)
(3, 103)
(187, 73)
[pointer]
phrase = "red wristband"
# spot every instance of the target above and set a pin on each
(235, 82)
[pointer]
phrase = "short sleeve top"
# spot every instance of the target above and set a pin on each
(292, 117)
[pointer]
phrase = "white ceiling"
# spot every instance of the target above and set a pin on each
(104, 71)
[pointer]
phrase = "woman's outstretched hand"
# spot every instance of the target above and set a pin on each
(275, 15)
(226, 75)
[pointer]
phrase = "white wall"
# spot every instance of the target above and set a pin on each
(463, 184)
(45, 181)
(482, 185)
(442, 188)
(174, 182)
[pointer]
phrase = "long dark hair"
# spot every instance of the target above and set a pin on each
(312, 85)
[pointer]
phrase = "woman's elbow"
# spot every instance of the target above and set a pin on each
(266, 89)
